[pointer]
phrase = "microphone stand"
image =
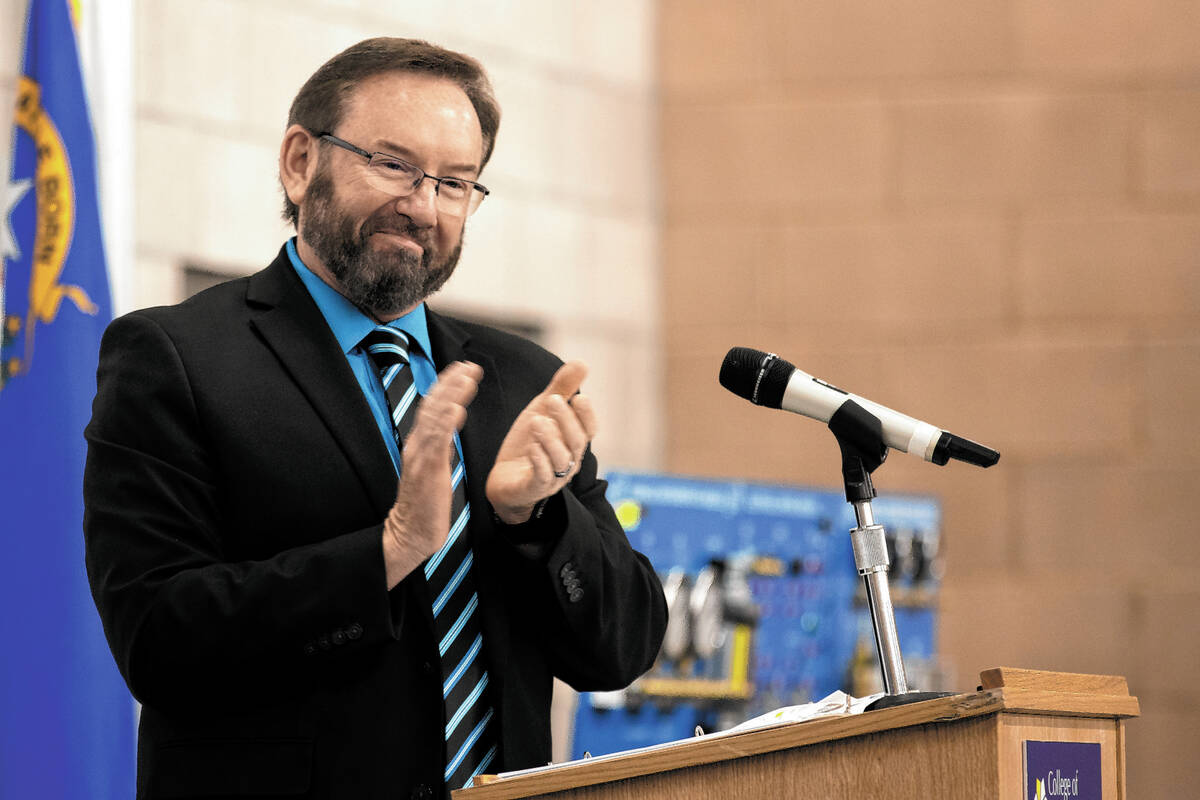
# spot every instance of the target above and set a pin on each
(860, 437)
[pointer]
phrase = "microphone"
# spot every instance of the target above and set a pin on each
(765, 379)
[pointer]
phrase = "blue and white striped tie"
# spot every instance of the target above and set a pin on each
(471, 741)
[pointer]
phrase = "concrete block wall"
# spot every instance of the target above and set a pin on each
(986, 214)
(568, 239)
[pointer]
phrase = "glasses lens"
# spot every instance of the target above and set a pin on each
(454, 189)
(392, 175)
(458, 198)
(452, 195)
(473, 199)
(399, 178)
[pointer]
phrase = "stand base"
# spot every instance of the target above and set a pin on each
(893, 700)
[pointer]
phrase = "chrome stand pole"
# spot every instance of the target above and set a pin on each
(871, 560)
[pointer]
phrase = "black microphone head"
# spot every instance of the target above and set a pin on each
(950, 446)
(757, 376)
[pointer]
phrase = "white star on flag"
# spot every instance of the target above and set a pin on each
(10, 195)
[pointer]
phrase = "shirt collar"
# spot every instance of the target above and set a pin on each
(348, 323)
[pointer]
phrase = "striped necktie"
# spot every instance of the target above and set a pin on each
(471, 741)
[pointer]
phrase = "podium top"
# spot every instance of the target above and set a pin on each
(1072, 682)
(1007, 690)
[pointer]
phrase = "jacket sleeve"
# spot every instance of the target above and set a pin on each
(608, 614)
(187, 625)
(576, 590)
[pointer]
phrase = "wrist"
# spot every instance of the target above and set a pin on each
(399, 558)
(521, 514)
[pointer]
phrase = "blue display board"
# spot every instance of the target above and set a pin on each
(813, 631)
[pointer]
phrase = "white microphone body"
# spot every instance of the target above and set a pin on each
(765, 379)
(816, 399)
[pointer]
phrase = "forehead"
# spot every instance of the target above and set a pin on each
(428, 116)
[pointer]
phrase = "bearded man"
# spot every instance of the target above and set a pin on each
(341, 544)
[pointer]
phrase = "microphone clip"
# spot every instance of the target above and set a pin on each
(859, 435)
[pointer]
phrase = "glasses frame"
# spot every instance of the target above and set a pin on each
(437, 182)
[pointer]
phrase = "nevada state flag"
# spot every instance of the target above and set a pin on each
(66, 718)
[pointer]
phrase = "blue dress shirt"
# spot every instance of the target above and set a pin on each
(349, 326)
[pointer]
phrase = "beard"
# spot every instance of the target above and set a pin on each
(385, 283)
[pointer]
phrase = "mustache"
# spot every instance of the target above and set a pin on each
(422, 236)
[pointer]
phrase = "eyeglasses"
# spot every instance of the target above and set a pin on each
(395, 176)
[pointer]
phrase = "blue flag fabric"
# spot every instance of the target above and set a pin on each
(66, 719)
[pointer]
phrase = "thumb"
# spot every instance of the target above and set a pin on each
(567, 380)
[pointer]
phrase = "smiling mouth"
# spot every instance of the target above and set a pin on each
(401, 240)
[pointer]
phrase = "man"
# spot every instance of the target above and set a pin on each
(294, 621)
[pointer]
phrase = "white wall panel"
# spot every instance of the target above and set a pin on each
(568, 240)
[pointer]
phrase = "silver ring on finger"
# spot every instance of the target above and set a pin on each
(566, 471)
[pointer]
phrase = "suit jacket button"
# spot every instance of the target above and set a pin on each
(427, 668)
(576, 595)
(339, 636)
(309, 648)
(568, 569)
(422, 792)
(323, 642)
(354, 632)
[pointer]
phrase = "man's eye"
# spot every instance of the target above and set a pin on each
(395, 167)
(455, 186)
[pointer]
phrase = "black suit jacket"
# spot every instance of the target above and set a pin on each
(235, 488)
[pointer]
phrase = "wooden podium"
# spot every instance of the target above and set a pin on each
(968, 746)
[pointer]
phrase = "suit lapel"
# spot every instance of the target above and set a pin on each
(283, 313)
(285, 316)
(481, 436)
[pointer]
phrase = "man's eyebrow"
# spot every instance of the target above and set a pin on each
(391, 148)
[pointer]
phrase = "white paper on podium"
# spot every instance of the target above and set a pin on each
(832, 705)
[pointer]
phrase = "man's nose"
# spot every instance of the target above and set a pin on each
(421, 205)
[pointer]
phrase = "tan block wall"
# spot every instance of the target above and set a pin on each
(986, 214)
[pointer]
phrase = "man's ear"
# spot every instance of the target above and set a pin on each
(297, 162)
